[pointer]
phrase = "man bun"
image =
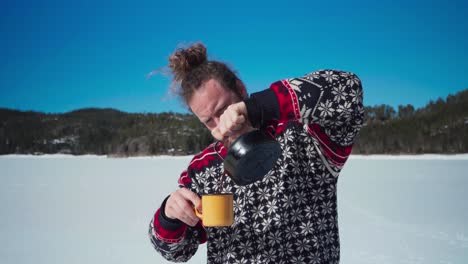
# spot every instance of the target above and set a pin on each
(183, 61)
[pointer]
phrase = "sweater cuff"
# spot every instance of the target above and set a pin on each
(166, 222)
(166, 229)
(262, 107)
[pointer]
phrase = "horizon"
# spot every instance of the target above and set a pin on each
(421, 156)
(62, 57)
(187, 112)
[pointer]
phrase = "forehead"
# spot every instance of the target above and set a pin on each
(208, 98)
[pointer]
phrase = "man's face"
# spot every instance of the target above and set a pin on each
(210, 101)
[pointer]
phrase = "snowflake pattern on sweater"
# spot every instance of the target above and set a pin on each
(290, 216)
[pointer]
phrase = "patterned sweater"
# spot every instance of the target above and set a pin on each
(290, 216)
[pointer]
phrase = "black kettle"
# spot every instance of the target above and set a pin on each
(251, 156)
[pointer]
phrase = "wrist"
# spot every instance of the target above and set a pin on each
(262, 107)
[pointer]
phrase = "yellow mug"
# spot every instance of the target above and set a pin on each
(217, 209)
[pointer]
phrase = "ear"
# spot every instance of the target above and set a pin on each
(241, 88)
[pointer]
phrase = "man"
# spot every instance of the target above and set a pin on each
(290, 216)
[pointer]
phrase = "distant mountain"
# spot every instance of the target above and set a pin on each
(439, 127)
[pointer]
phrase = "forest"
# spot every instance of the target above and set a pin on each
(439, 127)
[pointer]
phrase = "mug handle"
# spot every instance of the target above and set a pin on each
(200, 215)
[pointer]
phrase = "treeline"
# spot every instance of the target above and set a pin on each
(439, 127)
(101, 131)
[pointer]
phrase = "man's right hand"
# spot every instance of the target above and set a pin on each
(180, 205)
(233, 122)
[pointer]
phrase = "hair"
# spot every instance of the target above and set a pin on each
(191, 69)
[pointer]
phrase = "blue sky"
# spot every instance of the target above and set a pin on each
(57, 56)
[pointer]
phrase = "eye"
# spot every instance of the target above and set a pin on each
(209, 122)
(221, 111)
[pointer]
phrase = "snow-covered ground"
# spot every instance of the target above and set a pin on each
(93, 209)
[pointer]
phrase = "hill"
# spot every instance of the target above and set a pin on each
(439, 127)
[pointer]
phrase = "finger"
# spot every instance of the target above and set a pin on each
(180, 205)
(191, 196)
(234, 122)
(230, 122)
(184, 211)
(220, 132)
(216, 133)
(242, 130)
(240, 108)
(187, 214)
(232, 117)
(236, 128)
(240, 119)
(222, 128)
(177, 212)
(227, 124)
(237, 124)
(194, 200)
(187, 219)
